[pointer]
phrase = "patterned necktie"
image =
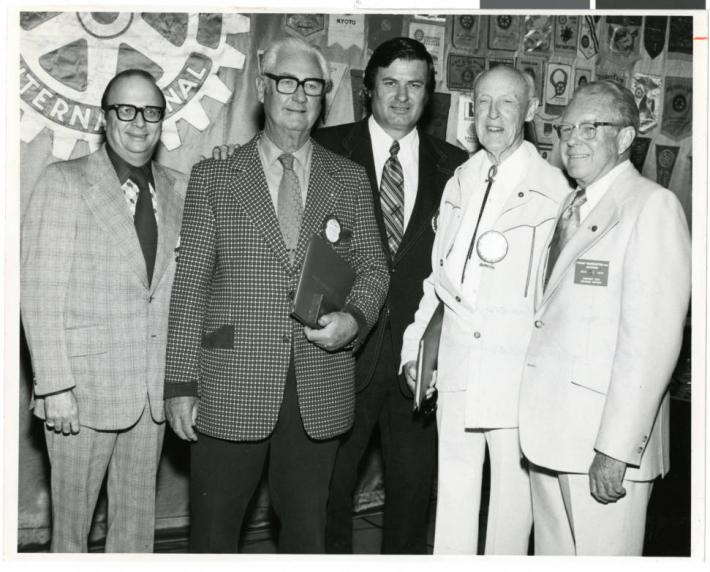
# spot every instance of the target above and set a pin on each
(290, 205)
(567, 225)
(146, 226)
(392, 198)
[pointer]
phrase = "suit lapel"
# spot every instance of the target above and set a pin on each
(105, 199)
(426, 202)
(169, 215)
(599, 221)
(249, 187)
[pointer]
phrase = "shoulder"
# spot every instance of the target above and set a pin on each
(449, 156)
(336, 138)
(643, 193)
(336, 164)
(549, 179)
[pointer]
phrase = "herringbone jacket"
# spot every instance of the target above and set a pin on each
(230, 335)
(93, 323)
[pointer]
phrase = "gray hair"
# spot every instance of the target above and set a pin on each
(523, 76)
(622, 102)
(290, 44)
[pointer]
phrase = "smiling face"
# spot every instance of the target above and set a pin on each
(502, 106)
(134, 141)
(399, 95)
(587, 160)
(290, 116)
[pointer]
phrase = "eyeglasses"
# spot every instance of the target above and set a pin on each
(126, 112)
(587, 130)
(286, 84)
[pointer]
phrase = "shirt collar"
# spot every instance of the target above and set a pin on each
(124, 170)
(382, 139)
(271, 152)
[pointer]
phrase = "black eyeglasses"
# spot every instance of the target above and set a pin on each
(127, 112)
(286, 84)
(587, 129)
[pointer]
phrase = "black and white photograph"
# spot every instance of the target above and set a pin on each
(375, 282)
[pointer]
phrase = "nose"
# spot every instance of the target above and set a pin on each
(300, 94)
(493, 110)
(402, 93)
(138, 119)
(574, 137)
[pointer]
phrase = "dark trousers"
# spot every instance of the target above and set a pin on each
(409, 456)
(224, 476)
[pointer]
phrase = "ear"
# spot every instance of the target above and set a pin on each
(260, 88)
(532, 108)
(624, 138)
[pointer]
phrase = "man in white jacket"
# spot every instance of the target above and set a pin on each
(495, 216)
(611, 304)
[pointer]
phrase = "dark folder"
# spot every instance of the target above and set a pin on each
(428, 357)
(324, 284)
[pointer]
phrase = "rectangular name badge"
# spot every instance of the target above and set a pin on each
(591, 272)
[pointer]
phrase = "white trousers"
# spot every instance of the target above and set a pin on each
(461, 458)
(569, 521)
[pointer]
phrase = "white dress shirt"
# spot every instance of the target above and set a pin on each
(408, 157)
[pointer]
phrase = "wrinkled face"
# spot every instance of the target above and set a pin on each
(399, 96)
(295, 112)
(587, 160)
(136, 140)
(501, 108)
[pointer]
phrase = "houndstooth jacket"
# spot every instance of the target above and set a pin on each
(92, 321)
(230, 337)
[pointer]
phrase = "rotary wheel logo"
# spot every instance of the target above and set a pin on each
(68, 58)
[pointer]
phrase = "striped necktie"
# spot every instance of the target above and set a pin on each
(392, 197)
(567, 225)
(290, 205)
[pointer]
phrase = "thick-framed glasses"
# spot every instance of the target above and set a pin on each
(587, 130)
(287, 84)
(127, 112)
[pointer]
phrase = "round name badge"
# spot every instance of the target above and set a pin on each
(492, 246)
(332, 230)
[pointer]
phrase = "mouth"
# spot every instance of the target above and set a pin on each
(400, 109)
(494, 129)
(577, 156)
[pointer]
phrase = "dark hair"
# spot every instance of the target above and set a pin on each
(622, 102)
(130, 73)
(395, 49)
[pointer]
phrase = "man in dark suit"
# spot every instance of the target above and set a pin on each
(408, 170)
(245, 381)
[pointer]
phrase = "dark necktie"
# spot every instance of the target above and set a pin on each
(491, 177)
(146, 226)
(290, 205)
(392, 198)
(567, 225)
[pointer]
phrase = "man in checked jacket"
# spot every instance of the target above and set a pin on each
(244, 381)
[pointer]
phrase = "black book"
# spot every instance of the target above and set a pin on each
(428, 357)
(325, 282)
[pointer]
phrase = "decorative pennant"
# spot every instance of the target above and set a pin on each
(558, 88)
(647, 93)
(432, 36)
(544, 131)
(608, 71)
(538, 34)
(680, 39)
(666, 156)
(437, 115)
(588, 39)
(566, 34)
(503, 32)
(534, 67)
(494, 61)
(465, 129)
(622, 42)
(359, 94)
(678, 107)
(304, 25)
(462, 70)
(337, 72)
(545, 150)
(638, 152)
(382, 27)
(346, 30)
(465, 32)
(654, 34)
(582, 77)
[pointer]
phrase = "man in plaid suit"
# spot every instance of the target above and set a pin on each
(98, 261)
(244, 381)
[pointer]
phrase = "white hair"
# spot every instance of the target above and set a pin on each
(290, 44)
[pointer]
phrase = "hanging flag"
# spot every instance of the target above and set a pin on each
(654, 35)
(678, 107)
(558, 88)
(647, 93)
(537, 36)
(504, 32)
(306, 26)
(462, 70)
(638, 152)
(666, 156)
(566, 34)
(346, 30)
(588, 39)
(465, 32)
(680, 39)
(534, 67)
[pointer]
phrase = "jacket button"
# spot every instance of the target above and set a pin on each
(441, 261)
(594, 228)
(639, 450)
(521, 194)
(476, 335)
(538, 323)
(458, 298)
